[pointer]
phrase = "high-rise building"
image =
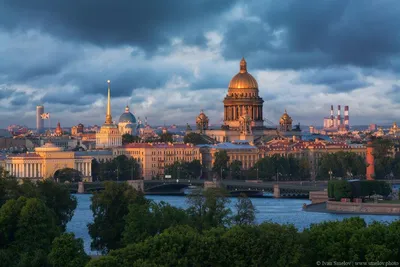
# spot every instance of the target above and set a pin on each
(39, 120)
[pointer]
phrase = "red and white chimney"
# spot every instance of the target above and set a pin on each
(339, 119)
(346, 116)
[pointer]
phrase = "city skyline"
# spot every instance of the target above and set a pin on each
(304, 59)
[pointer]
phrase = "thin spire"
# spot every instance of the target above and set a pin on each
(108, 115)
(243, 66)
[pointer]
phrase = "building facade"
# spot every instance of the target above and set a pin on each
(45, 162)
(155, 157)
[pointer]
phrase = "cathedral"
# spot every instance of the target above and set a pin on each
(109, 135)
(243, 112)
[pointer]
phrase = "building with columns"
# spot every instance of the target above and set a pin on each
(109, 135)
(243, 111)
(45, 162)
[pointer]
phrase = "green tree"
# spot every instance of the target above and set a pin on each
(208, 210)
(185, 170)
(68, 175)
(27, 228)
(57, 197)
(221, 163)
(166, 138)
(126, 168)
(128, 138)
(68, 251)
(194, 138)
(150, 219)
(109, 208)
(245, 211)
(236, 169)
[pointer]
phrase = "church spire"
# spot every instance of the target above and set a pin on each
(108, 115)
(243, 66)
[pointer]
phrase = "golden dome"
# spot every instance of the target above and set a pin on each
(243, 80)
(202, 117)
(286, 118)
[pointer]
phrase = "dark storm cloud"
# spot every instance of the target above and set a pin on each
(19, 99)
(76, 98)
(6, 92)
(298, 34)
(147, 24)
(123, 81)
(338, 80)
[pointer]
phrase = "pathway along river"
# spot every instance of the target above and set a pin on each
(283, 211)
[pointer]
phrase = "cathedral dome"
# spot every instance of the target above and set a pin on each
(243, 80)
(127, 116)
(286, 118)
(202, 117)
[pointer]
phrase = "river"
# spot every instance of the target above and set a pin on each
(282, 211)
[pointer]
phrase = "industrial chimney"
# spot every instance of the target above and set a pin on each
(346, 116)
(339, 119)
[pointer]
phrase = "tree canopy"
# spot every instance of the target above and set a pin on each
(128, 138)
(184, 170)
(109, 208)
(194, 138)
(221, 161)
(120, 168)
(68, 175)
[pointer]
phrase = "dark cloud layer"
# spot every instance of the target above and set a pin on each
(338, 80)
(147, 24)
(298, 34)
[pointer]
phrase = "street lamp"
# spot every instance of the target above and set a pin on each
(330, 174)
(257, 173)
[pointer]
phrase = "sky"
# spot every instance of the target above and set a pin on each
(168, 60)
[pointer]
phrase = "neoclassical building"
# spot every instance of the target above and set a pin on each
(109, 135)
(46, 161)
(243, 111)
(127, 123)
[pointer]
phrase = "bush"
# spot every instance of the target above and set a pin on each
(339, 189)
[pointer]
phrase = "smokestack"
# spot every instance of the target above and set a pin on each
(339, 120)
(346, 115)
(331, 112)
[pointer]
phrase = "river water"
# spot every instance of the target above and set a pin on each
(282, 211)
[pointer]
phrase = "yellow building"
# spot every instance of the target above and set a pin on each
(154, 157)
(46, 161)
(109, 135)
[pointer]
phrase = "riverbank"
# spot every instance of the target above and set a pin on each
(355, 209)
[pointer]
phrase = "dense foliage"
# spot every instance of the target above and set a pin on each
(68, 175)
(268, 244)
(386, 166)
(128, 138)
(184, 170)
(120, 168)
(341, 164)
(277, 167)
(194, 138)
(338, 189)
(220, 167)
(109, 208)
(32, 220)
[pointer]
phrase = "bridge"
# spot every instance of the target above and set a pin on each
(234, 187)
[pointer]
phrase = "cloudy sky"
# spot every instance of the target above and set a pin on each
(170, 59)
